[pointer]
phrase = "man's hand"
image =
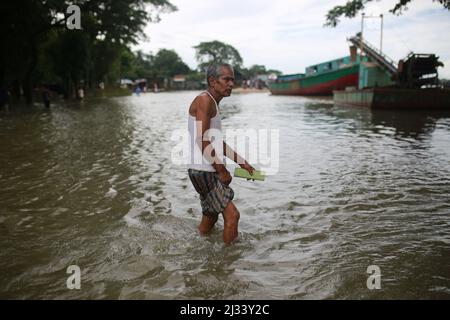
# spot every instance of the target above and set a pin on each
(247, 167)
(224, 176)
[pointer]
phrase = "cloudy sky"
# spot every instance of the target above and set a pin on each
(288, 35)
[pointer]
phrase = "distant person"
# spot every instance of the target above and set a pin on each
(4, 97)
(206, 169)
(81, 93)
(45, 93)
(137, 90)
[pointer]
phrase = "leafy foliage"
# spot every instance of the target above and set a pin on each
(33, 30)
(219, 52)
(351, 8)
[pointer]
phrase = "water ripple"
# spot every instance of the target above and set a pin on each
(94, 185)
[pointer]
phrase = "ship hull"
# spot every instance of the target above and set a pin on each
(394, 98)
(318, 85)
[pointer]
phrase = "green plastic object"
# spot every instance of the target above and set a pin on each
(242, 173)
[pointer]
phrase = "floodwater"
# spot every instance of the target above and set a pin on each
(92, 184)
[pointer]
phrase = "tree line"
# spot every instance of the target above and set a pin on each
(37, 46)
(39, 49)
(167, 63)
(352, 7)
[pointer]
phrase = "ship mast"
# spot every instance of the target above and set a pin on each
(362, 31)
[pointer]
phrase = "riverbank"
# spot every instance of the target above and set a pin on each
(250, 90)
(109, 92)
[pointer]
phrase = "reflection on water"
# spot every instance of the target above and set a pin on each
(92, 184)
(417, 124)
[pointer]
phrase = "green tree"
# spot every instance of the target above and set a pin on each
(277, 72)
(105, 61)
(167, 63)
(69, 54)
(257, 69)
(127, 64)
(144, 65)
(155, 68)
(26, 25)
(352, 7)
(207, 52)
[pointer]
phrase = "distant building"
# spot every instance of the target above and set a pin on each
(259, 81)
(140, 82)
(179, 78)
(126, 83)
(178, 82)
(182, 82)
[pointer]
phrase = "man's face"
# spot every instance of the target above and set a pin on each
(224, 83)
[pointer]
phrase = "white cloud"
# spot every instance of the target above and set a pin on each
(289, 35)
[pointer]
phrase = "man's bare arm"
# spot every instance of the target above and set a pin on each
(203, 116)
(233, 155)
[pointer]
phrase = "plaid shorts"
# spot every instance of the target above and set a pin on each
(214, 194)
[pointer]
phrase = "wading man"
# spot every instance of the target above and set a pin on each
(207, 170)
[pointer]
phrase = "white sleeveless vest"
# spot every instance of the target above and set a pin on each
(214, 134)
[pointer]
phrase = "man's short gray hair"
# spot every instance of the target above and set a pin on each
(215, 70)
